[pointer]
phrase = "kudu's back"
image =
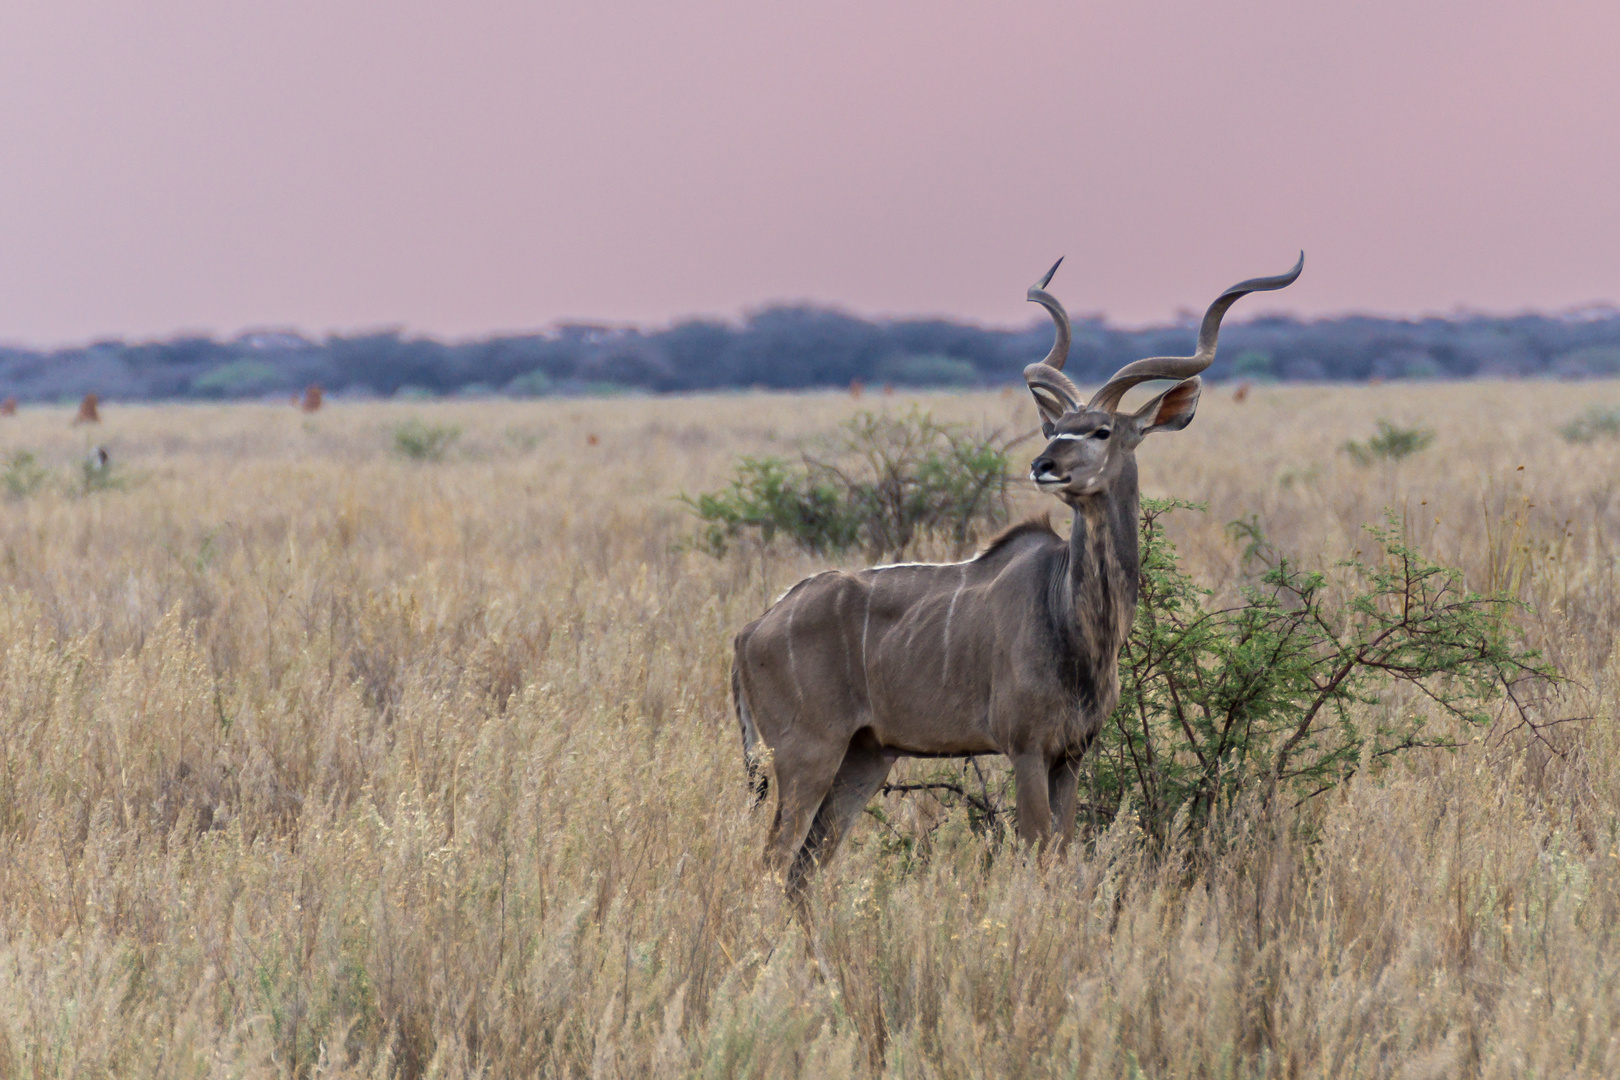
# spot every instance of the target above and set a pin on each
(920, 656)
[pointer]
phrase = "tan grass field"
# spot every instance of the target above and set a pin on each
(317, 761)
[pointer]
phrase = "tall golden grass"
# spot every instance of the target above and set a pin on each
(317, 761)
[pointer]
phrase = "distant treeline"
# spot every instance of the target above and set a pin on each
(801, 347)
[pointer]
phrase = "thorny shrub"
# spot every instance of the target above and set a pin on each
(1259, 697)
(880, 484)
(99, 473)
(1597, 422)
(424, 442)
(23, 475)
(1390, 444)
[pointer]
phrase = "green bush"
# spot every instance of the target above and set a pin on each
(1252, 364)
(237, 378)
(534, 384)
(880, 483)
(23, 475)
(1596, 423)
(1420, 366)
(98, 475)
(770, 497)
(1602, 360)
(1390, 444)
(1256, 698)
(424, 442)
(927, 370)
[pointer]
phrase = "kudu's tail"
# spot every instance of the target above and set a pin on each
(758, 782)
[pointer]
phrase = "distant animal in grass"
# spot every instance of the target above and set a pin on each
(312, 399)
(8, 407)
(1013, 652)
(88, 412)
(1241, 394)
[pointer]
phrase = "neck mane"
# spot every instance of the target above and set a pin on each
(1102, 582)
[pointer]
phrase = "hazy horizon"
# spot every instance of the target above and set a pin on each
(179, 167)
(1187, 317)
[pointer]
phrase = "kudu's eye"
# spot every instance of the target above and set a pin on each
(1101, 433)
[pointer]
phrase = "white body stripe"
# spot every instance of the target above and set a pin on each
(793, 661)
(866, 672)
(949, 612)
(903, 565)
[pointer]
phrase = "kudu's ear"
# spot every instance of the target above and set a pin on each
(1173, 409)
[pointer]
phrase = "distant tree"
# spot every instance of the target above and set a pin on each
(239, 378)
(795, 347)
(695, 349)
(385, 361)
(1252, 364)
(1587, 361)
(929, 370)
(531, 384)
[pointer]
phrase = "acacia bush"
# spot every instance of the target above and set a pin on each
(23, 475)
(880, 483)
(1597, 422)
(99, 473)
(1392, 443)
(767, 496)
(424, 442)
(1259, 698)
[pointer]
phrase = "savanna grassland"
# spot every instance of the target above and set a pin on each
(318, 760)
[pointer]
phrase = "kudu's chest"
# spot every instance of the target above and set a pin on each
(1093, 612)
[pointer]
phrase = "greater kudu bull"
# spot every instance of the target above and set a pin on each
(1012, 652)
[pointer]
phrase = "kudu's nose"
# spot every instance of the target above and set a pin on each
(1042, 464)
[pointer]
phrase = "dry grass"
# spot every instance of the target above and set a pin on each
(319, 761)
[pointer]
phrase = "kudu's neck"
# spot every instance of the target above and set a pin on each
(1103, 567)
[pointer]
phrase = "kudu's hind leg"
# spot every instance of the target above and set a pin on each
(1062, 790)
(866, 765)
(802, 781)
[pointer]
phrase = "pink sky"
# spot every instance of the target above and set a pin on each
(460, 168)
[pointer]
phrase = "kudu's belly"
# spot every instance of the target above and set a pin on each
(931, 686)
(916, 656)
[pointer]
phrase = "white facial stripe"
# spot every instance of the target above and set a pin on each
(1071, 438)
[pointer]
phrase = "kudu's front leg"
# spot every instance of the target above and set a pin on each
(1031, 775)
